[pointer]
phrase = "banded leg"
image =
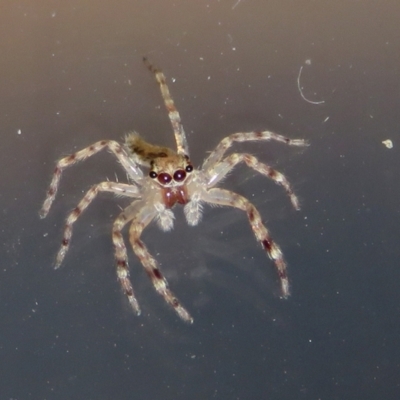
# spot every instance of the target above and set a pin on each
(227, 198)
(222, 168)
(180, 136)
(142, 219)
(217, 154)
(121, 256)
(133, 170)
(116, 188)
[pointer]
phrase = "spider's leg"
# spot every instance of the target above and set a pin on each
(180, 136)
(121, 255)
(116, 188)
(130, 166)
(217, 154)
(141, 220)
(227, 198)
(221, 169)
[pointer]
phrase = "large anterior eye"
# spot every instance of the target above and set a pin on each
(164, 178)
(179, 175)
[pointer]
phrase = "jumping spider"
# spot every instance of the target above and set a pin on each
(171, 179)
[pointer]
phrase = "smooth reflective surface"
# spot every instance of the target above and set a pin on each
(72, 74)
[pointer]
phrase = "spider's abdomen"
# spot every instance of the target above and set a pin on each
(173, 195)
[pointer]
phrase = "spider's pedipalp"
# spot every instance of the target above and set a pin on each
(217, 154)
(221, 169)
(131, 168)
(175, 118)
(121, 189)
(141, 220)
(228, 198)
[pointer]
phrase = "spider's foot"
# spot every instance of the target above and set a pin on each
(183, 314)
(43, 213)
(61, 254)
(135, 305)
(285, 288)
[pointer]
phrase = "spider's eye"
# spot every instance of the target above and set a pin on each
(153, 174)
(164, 178)
(179, 175)
(189, 168)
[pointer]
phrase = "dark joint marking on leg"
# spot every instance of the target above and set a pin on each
(282, 274)
(139, 244)
(267, 244)
(103, 142)
(157, 273)
(121, 263)
(117, 235)
(251, 214)
(65, 242)
(76, 212)
(175, 302)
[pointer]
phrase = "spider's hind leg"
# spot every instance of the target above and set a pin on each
(143, 217)
(221, 169)
(121, 257)
(122, 189)
(228, 198)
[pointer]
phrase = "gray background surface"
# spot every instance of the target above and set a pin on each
(71, 74)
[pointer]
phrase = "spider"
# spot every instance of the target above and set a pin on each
(171, 180)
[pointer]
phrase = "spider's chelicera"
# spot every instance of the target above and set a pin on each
(171, 179)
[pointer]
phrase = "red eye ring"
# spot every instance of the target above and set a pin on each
(164, 178)
(179, 175)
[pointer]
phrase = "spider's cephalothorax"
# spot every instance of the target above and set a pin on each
(170, 180)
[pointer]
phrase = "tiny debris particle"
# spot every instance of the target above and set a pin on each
(19, 131)
(388, 143)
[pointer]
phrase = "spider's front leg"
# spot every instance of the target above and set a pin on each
(216, 155)
(144, 216)
(121, 189)
(129, 165)
(228, 198)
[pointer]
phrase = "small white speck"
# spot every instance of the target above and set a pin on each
(388, 143)
(173, 80)
(326, 119)
(19, 131)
